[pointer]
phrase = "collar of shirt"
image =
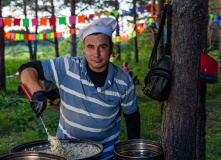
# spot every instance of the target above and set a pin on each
(112, 71)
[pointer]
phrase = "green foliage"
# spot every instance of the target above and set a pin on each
(47, 52)
(17, 50)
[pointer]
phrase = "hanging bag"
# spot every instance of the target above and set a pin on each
(157, 82)
(209, 69)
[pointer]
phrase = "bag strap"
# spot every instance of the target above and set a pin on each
(167, 10)
(168, 43)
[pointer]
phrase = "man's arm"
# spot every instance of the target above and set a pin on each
(133, 125)
(29, 75)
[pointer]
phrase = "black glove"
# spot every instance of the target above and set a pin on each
(38, 102)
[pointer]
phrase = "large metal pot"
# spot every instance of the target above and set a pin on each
(138, 149)
(38, 146)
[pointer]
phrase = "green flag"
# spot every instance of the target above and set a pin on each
(26, 22)
(62, 20)
(115, 13)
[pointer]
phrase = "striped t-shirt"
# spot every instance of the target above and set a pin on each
(86, 111)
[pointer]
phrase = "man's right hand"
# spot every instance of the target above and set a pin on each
(38, 102)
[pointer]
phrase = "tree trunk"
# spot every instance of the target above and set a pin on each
(135, 38)
(117, 31)
(2, 55)
(36, 31)
(183, 126)
(73, 36)
(28, 32)
(219, 59)
(55, 40)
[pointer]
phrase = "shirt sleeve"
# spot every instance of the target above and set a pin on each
(129, 101)
(54, 70)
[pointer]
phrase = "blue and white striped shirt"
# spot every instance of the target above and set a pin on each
(86, 111)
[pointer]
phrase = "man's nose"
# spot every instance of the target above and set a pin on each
(97, 52)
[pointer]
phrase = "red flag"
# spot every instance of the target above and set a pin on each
(52, 21)
(91, 16)
(148, 8)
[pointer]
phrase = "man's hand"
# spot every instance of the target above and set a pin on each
(38, 102)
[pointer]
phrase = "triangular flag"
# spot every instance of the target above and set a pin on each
(130, 36)
(215, 23)
(8, 22)
(1, 23)
(99, 15)
(26, 37)
(91, 16)
(8, 35)
(62, 20)
(214, 17)
(134, 34)
(26, 22)
(117, 39)
(151, 20)
(220, 23)
(17, 22)
(138, 31)
(148, 8)
(52, 21)
(114, 40)
(143, 25)
(40, 36)
(137, 25)
(37, 36)
(132, 11)
(17, 36)
(35, 22)
(72, 19)
(156, 24)
(211, 17)
(155, 18)
(107, 14)
(121, 38)
(133, 26)
(219, 18)
(124, 38)
(140, 9)
(156, 7)
(52, 35)
(30, 37)
(210, 22)
(12, 36)
(43, 21)
(81, 19)
(48, 35)
(141, 29)
(117, 28)
(34, 37)
(115, 13)
(22, 36)
(123, 12)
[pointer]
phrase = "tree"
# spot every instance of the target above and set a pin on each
(183, 127)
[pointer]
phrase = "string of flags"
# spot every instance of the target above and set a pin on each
(64, 20)
(43, 36)
(214, 19)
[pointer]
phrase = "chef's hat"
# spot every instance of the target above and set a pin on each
(102, 25)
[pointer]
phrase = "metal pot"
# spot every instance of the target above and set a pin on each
(138, 149)
(25, 148)
(31, 156)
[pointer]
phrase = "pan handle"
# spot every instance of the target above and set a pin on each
(26, 91)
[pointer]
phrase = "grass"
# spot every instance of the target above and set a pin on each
(15, 113)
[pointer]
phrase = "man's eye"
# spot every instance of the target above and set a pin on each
(90, 47)
(102, 47)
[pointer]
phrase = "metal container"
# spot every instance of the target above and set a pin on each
(31, 156)
(36, 146)
(138, 149)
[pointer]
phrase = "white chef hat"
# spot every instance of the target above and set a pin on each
(102, 25)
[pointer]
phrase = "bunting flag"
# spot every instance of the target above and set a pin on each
(123, 12)
(1, 22)
(115, 13)
(62, 20)
(35, 22)
(17, 22)
(107, 14)
(155, 18)
(91, 16)
(140, 9)
(8, 22)
(99, 15)
(72, 20)
(211, 17)
(26, 22)
(148, 8)
(132, 11)
(81, 19)
(156, 7)
(43, 21)
(52, 21)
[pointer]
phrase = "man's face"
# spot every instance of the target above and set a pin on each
(97, 51)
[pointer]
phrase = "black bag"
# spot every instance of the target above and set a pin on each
(157, 82)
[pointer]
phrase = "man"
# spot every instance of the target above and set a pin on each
(93, 91)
